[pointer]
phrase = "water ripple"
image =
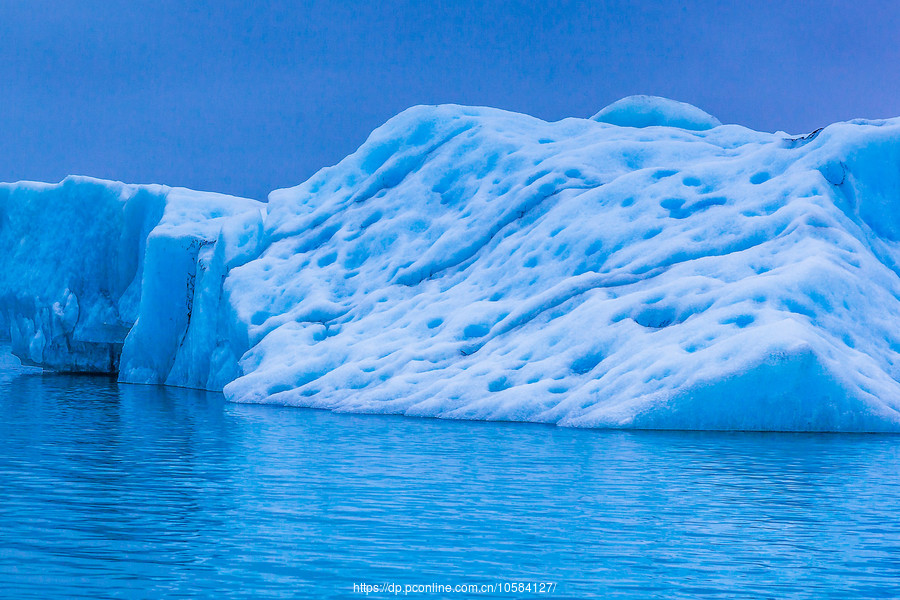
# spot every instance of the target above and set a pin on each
(110, 491)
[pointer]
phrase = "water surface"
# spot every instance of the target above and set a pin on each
(118, 491)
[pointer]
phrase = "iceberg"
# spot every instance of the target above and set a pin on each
(645, 268)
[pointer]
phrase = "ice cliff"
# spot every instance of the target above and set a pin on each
(645, 268)
(86, 263)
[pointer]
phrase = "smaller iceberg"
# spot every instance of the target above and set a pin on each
(653, 111)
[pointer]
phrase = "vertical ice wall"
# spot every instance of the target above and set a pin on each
(186, 333)
(71, 254)
(89, 262)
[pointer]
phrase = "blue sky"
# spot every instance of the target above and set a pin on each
(244, 97)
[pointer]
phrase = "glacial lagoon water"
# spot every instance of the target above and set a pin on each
(118, 491)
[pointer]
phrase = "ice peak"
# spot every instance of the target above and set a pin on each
(650, 111)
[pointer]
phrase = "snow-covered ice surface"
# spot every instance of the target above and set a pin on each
(478, 264)
(645, 268)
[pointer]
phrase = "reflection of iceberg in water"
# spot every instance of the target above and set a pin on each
(648, 267)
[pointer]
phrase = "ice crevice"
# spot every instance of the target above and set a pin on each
(645, 268)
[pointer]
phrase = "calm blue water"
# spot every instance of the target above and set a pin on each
(111, 490)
